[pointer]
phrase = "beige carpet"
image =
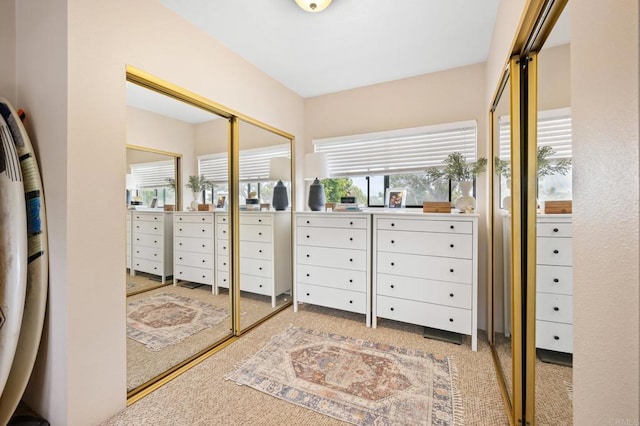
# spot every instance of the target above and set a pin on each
(201, 396)
(143, 282)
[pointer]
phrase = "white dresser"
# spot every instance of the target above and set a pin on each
(129, 235)
(152, 243)
(554, 283)
(194, 242)
(333, 261)
(425, 270)
(265, 252)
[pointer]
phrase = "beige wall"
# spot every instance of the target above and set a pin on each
(604, 89)
(8, 50)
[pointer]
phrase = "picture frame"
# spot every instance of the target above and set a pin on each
(395, 198)
(222, 199)
(153, 203)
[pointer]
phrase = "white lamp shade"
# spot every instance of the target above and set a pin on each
(280, 168)
(315, 166)
(131, 181)
(313, 5)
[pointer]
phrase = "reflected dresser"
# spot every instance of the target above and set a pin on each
(152, 243)
(194, 245)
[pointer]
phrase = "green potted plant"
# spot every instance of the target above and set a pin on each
(457, 169)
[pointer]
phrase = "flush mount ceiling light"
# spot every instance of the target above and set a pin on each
(313, 6)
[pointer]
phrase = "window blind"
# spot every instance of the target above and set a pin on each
(398, 151)
(154, 174)
(254, 163)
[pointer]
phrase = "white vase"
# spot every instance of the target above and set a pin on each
(506, 200)
(466, 201)
(196, 201)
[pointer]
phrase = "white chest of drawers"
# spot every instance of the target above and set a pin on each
(152, 243)
(265, 252)
(554, 283)
(425, 271)
(194, 248)
(333, 261)
(129, 236)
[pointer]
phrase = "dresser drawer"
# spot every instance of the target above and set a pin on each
(223, 263)
(552, 230)
(554, 307)
(149, 266)
(222, 231)
(222, 279)
(554, 279)
(148, 217)
(260, 233)
(336, 258)
(426, 243)
(554, 251)
(344, 279)
(223, 247)
(257, 267)
(554, 336)
(201, 230)
(147, 240)
(425, 314)
(193, 218)
(141, 227)
(222, 218)
(150, 253)
(254, 250)
(199, 260)
(345, 300)
(253, 284)
(333, 237)
(425, 225)
(255, 219)
(428, 267)
(332, 222)
(198, 245)
(196, 275)
(438, 292)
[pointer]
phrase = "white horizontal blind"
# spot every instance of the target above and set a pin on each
(397, 151)
(153, 175)
(554, 129)
(254, 163)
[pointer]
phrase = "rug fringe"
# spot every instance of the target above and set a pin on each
(458, 407)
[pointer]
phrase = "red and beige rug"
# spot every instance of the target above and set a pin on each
(353, 380)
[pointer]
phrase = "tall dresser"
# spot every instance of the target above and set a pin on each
(333, 261)
(265, 252)
(554, 283)
(425, 270)
(194, 244)
(152, 243)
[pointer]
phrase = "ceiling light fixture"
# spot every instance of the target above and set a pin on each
(313, 6)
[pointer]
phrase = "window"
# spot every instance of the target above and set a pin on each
(153, 180)
(366, 165)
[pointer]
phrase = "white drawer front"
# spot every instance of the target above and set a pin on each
(222, 279)
(554, 307)
(554, 251)
(193, 218)
(199, 260)
(345, 300)
(148, 217)
(425, 225)
(257, 267)
(150, 253)
(332, 222)
(223, 247)
(255, 219)
(196, 275)
(260, 233)
(438, 292)
(222, 218)
(147, 240)
(554, 336)
(253, 284)
(140, 227)
(554, 279)
(198, 230)
(333, 237)
(336, 258)
(254, 250)
(434, 268)
(554, 229)
(198, 245)
(428, 315)
(223, 263)
(331, 277)
(222, 231)
(427, 243)
(149, 266)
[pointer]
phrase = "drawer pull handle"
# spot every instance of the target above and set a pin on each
(224, 248)
(224, 264)
(307, 274)
(204, 230)
(259, 233)
(203, 275)
(180, 229)
(451, 270)
(350, 281)
(450, 319)
(203, 219)
(393, 241)
(180, 272)
(350, 223)
(392, 309)
(203, 245)
(181, 244)
(260, 286)
(308, 294)
(155, 254)
(350, 260)
(556, 337)
(180, 258)
(155, 218)
(393, 264)
(308, 256)
(308, 222)
(155, 241)
(452, 227)
(350, 301)
(451, 245)
(137, 226)
(155, 228)
(260, 268)
(204, 261)
(555, 280)
(450, 294)
(556, 252)
(137, 251)
(308, 236)
(555, 308)
(350, 238)
(555, 229)
(137, 239)
(259, 220)
(393, 224)
(393, 286)
(180, 219)
(259, 251)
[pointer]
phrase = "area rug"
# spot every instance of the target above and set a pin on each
(166, 319)
(353, 380)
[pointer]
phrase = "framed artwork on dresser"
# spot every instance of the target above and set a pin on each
(396, 198)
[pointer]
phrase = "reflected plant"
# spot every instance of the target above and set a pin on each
(456, 168)
(546, 167)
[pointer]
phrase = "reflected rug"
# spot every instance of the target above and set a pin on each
(353, 380)
(166, 319)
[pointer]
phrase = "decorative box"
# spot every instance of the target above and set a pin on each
(169, 207)
(557, 207)
(436, 207)
(206, 207)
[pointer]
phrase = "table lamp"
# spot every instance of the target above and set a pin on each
(280, 169)
(315, 167)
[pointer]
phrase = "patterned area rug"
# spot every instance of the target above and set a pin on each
(356, 381)
(166, 319)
